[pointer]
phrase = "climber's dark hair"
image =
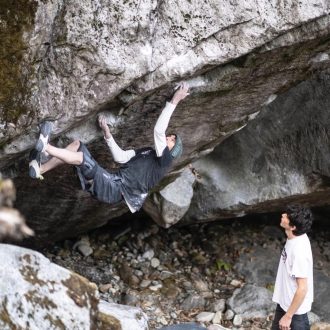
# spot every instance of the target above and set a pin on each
(301, 217)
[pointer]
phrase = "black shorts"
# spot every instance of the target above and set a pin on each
(89, 165)
(106, 186)
(87, 169)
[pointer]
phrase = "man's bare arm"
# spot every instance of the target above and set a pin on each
(297, 300)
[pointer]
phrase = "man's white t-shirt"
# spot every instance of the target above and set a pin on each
(296, 262)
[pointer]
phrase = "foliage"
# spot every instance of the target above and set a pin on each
(220, 264)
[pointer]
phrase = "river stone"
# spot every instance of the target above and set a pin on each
(217, 317)
(193, 301)
(155, 262)
(149, 254)
(219, 305)
(200, 285)
(145, 283)
(165, 274)
(237, 321)
(105, 287)
(229, 314)
(205, 317)
(83, 246)
(85, 249)
(155, 287)
(235, 283)
(251, 301)
(162, 320)
(173, 315)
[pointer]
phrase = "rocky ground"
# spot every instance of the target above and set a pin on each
(185, 274)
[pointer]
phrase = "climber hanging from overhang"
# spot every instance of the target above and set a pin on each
(140, 169)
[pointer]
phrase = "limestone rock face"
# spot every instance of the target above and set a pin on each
(172, 202)
(58, 298)
(68, 61)
(282, 156)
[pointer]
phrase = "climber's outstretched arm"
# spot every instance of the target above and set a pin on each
(119, 155)
(165, 116)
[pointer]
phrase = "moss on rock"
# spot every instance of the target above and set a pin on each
(16, 17)
(107, 322)
(5, 316)
(29, 272)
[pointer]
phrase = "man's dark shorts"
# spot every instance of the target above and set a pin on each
(89, 165)
(106, 187)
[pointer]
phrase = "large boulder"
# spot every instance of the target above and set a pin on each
(282, 156)
(169, 205)
(264, 275)
(68, 60)
(37, 294)
(251, 301)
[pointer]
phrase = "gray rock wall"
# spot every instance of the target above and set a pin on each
(76, 58)
(280, 157)
(73, 60)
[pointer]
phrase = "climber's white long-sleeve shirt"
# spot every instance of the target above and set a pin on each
(123, 156)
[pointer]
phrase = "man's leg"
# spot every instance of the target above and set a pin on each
(69, 155)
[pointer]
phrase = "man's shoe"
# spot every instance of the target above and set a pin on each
(34, 165)
(45, 131)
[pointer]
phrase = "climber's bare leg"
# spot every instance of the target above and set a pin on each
(69, 155)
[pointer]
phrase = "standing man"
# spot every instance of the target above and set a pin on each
(140, 169)
(293, 291)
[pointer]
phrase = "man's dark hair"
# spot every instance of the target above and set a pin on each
(301, 217)
(176, 151)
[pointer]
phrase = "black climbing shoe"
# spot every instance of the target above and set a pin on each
(45, 131)
(34, 165)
